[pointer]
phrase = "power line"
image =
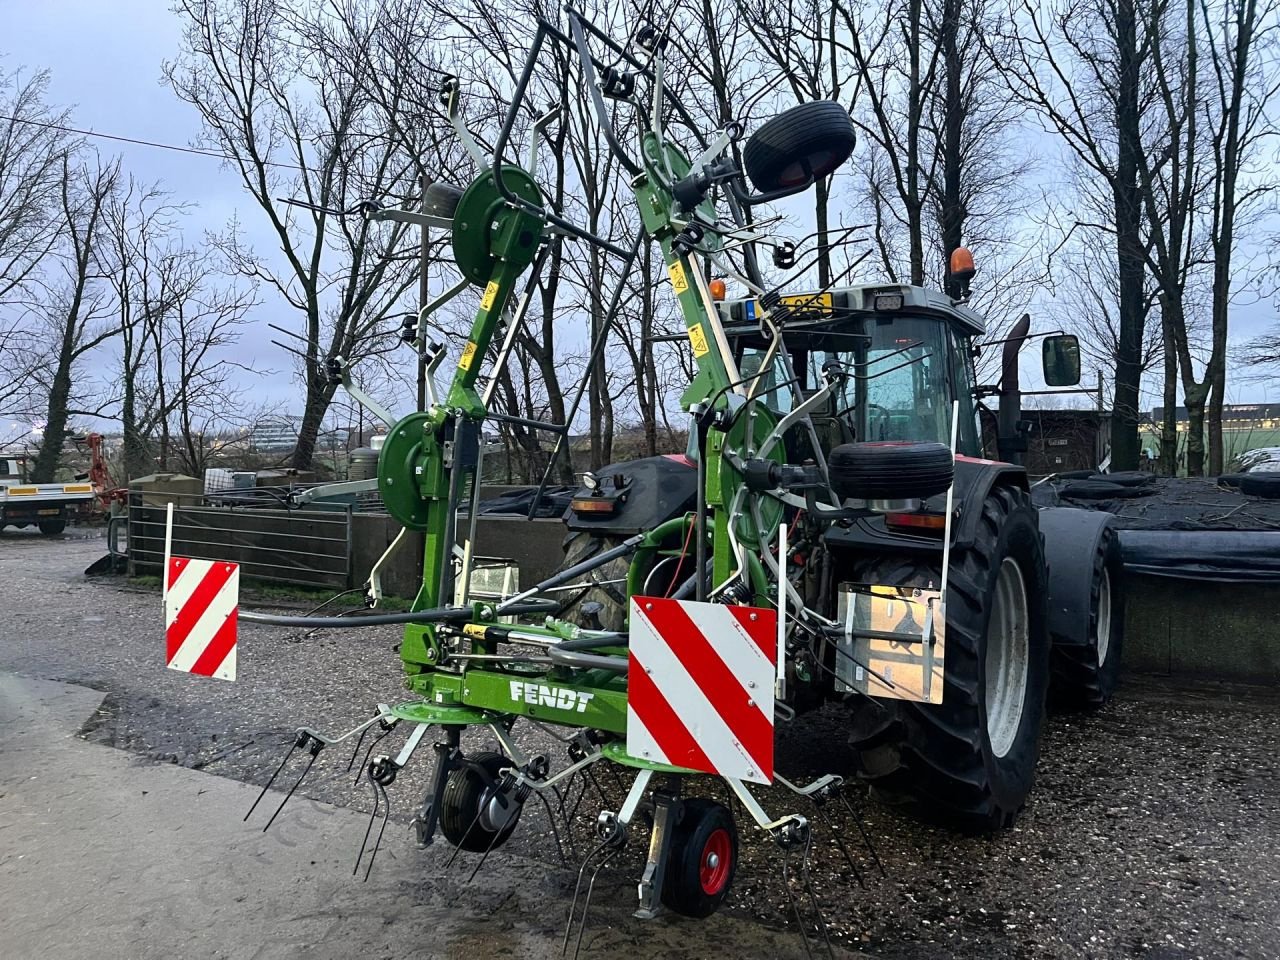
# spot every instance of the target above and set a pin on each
(142, 143)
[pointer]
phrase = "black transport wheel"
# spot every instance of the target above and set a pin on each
(809, 140)
(51, 528)
(969, 762)
(1085, 677)
(891, 470)
(472, 815)
(701, 860)
(441, 199)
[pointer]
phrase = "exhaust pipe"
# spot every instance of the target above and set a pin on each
(1011, 443)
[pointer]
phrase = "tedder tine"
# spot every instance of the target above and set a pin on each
(315, 748)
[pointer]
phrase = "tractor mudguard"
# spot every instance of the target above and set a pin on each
(974, 480)
(1072, 539)
(635, 496)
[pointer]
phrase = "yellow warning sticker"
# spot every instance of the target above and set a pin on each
(468, 354)
(474, 630)
(678, 281)
(490, 295)
(698, 340)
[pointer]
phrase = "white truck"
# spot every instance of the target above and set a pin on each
(44, 505)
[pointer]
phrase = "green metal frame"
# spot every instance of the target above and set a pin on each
(494, 242)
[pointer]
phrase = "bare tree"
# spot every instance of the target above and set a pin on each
(1078, 65)
(1241, 39)
(73, 310)
(32, 154)
(269, 88)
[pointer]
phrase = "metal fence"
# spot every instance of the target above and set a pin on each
(311, 548)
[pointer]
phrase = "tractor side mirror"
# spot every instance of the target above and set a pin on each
(1060, 359)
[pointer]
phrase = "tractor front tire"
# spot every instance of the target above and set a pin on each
(969, 762)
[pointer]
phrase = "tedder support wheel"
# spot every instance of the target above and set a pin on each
(1085, 677)
(51, 528)
(472, 816)
(809, 140)
(969, 762)
(702, 859)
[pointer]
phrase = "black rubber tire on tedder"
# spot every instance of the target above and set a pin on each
(702, 859)
(464, 793)
(809, 140)
(937, 760)
(892, 470)
(1084, 677)
(441, 199)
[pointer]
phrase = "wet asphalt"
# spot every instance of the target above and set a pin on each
(1153, 831)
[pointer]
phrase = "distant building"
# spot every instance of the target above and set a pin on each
(275, 433)
(1235, 416)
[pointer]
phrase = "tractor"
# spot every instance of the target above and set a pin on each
(832, 532)
(1036, 610)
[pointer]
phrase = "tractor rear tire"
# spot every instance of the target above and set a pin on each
(1085, 677)
(969, 762)
(607, 584)
(51, 528)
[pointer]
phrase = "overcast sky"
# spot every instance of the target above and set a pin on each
(105, 58)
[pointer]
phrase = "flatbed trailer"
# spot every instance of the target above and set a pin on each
(43, 505)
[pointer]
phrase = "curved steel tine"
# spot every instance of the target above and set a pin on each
(289, 753)
(813, 897)
(359, 856)
(835, 835)
(866, 837)
(586, 903)
(551, 820)
(485, 856)
(368, 753)
(386, 815)
(356, 751)
(577, 803)
(577, 890)
(795, 907)
(315, 752)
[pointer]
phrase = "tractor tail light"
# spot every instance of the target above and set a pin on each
(590, 505)
(926, 523)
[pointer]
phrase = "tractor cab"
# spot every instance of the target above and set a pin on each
(896, 356)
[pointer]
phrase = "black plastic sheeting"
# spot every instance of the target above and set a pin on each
(1233, 556)
(1188, 528)
(554, 502)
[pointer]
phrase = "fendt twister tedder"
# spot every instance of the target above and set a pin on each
(833, 534)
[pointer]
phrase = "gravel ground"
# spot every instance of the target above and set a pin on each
(1154, 830)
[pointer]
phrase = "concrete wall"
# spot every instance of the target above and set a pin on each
(1202, 629)
(535, 545)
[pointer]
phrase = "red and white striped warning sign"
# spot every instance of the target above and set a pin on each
(700, 686)
(200, 616)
